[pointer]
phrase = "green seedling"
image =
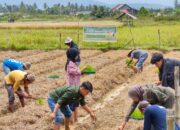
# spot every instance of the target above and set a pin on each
(40, 101)
(88, 69)
(129, 62)
(137, 115)
(54, 76)
(157, 71)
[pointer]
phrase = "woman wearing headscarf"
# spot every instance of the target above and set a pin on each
(151, 93)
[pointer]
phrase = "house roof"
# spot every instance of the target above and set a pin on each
(128, 14)
(120, 7)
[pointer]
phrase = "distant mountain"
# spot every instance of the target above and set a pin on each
(149, 6)
(52, 2)
(139, 5)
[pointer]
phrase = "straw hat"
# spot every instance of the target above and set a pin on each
(68, 40)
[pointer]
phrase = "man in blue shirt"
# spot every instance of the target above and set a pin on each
(140, 56)
(154, 116)
(12, 64)
(69, 42)
(166, 69)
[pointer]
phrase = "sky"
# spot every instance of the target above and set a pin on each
(51, 2)
(162, 2)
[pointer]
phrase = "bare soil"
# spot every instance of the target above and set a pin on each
(109, 99)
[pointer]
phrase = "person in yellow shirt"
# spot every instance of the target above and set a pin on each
(13, 81)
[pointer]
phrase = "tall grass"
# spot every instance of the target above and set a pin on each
(144, 37)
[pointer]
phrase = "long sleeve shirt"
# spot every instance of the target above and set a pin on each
(15, 78)
(155, 95)
(66, 95)
(13, 64)
(166, 74)
(73, 74)
(136, 54)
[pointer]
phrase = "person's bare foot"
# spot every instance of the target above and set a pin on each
(11, 108)
(67, 128)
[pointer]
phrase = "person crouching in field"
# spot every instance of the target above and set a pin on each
(154, 94)
(154, 116)
(73, 74)
(12, 64)
(12, 83)
(166, 69)
(59, 101)
(140, 56)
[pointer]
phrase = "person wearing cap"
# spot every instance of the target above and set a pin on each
(164, 96)
(166, 69)
(154, 116)
(140, 56)
(12, 64)
(13, 81)
(69, 42)
(60, 98)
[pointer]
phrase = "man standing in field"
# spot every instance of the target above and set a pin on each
(140, 56)
(69, 42)
(13, 81)
(154, 116)
(166, 69)
(59, 101)
(12, 64)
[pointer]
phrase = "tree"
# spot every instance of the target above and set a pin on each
(82, 8)
(176, 3)
(34, 8)
(177, 11)
(144, 12)
(45, 6)
(76, 7)
(100, 11)
(9, 8)
(22, 7)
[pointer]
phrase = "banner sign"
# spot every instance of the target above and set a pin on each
(100, 34)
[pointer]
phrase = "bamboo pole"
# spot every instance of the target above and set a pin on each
(60, 40)
(177, 94)
(170, 119)
(159, 37)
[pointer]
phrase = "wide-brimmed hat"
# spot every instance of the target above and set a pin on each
(68, 40)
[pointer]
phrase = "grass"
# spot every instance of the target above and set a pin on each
(145, 36)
